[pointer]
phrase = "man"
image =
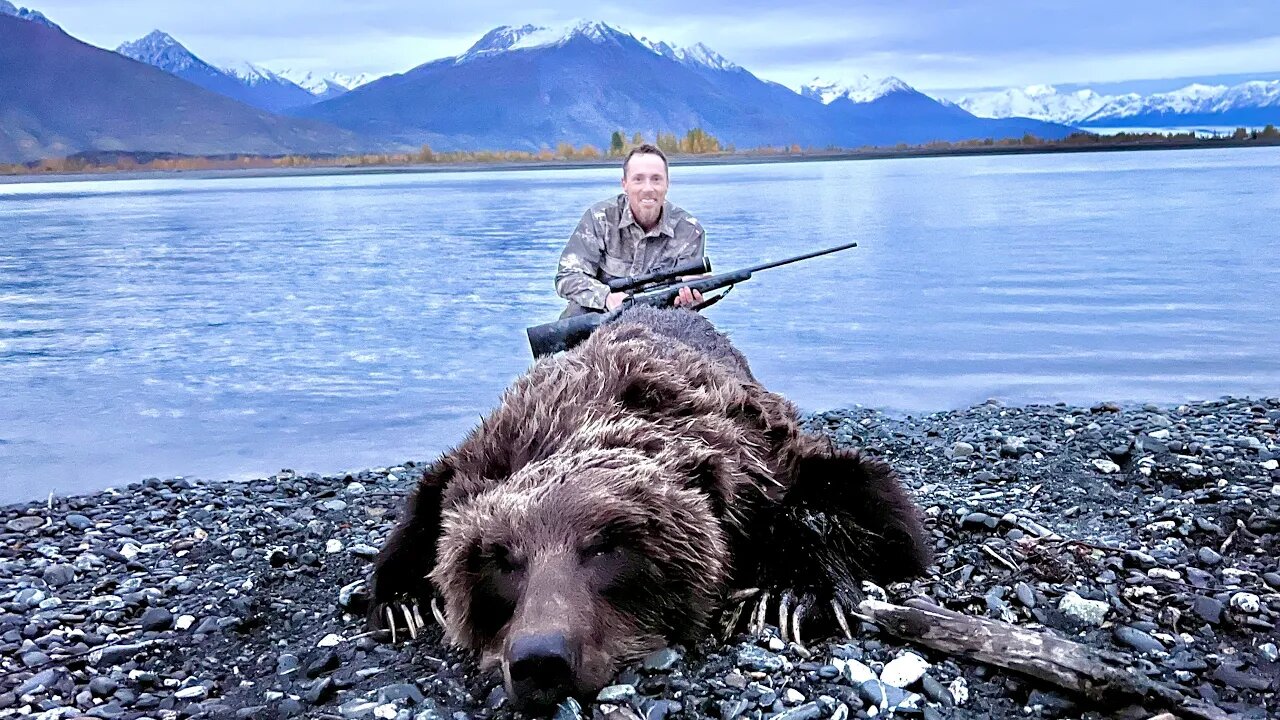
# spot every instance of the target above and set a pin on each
(626, 236)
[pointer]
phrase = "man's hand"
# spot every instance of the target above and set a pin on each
(614, 300)
(687, 297)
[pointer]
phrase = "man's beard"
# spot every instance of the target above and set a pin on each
(646, 216)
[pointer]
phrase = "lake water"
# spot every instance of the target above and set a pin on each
(227, 328)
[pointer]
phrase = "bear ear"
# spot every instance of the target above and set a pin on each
(649, 394)
(705, 475)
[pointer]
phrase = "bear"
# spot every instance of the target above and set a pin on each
(628, 494)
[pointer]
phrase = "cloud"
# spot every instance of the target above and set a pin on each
(925, 43)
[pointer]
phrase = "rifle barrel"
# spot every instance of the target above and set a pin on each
(798, 258)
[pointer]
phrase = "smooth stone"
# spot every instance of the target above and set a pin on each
(102, 686)
(1138, 640)
(807, 711)
(617, 694)
(59, 575)
(663, 659)
(750, 657)
(156, 619)
(402, 691)
(115, 654)
(1208, 556)
(43, 679)
(936, 691)
(1085, 612)
(904, 670)
(23, 524)
(79, 522)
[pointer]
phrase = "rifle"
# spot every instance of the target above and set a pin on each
(658, 289)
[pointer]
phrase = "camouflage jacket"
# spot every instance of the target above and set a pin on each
(608, 243)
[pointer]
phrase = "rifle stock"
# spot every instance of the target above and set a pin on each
(553, 337)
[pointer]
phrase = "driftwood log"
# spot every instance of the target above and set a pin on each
(1100, 675)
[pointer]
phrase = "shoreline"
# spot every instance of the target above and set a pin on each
(191, 598)
(676, 159)
(245, 477)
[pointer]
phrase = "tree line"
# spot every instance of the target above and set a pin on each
(694, 142)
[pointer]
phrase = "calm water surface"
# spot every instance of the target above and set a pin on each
(232, 327)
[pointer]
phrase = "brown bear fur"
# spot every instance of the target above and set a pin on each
(620, 491)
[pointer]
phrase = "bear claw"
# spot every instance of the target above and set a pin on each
(840, 618)
(435, 611)
(408, 620)
(413, 621)
(793, 609)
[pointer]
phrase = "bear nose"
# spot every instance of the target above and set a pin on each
(541, 668)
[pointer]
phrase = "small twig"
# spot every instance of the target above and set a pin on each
(1082, 543)
(63, 658)
(1227, 543)
(999, 557)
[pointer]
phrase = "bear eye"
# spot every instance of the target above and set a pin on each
(604, 544)
(599, 548)
(504, 560)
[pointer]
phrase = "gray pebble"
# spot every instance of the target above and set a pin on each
(617, 694)
(1138, 640)
(102, 686)
(34, 658)
(156, 619)
(79, 522)
(43, 679)
(24, 524)
(1208, 556)
(757, 659)
(663, 659)
(807, 711)
(936, 691)
(59, 575)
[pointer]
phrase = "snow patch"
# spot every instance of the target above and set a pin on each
(861, 89)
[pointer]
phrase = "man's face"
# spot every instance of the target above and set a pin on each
(645, 183)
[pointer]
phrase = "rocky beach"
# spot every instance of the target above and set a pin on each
(1147, 534)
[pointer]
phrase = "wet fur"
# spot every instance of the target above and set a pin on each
(654, 441)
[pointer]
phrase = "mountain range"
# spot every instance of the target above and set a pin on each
(8, 8)
(244, 81)
(528, 87)
(60, 96)
(517, 87)
(1251, 103)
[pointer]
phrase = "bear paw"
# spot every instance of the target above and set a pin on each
(383, 616)
(792, 611)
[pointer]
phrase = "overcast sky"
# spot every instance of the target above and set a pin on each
(993, 43)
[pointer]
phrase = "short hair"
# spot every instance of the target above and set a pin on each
(645, 149)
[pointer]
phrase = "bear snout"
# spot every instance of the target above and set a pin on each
(540, 669)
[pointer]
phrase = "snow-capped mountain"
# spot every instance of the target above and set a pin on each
(8, 8)
(507, 38)
(529, 87)
(1042, 102)
(159, 49)
(248, 83)
(351, 82)
(325, 87)
(696, 54)
(1249, 103)
(252, 75)
(862, 89)
(61, 96)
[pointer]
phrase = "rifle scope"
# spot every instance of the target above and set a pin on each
(693, 267)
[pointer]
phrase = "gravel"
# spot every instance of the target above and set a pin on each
(1148, 531)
